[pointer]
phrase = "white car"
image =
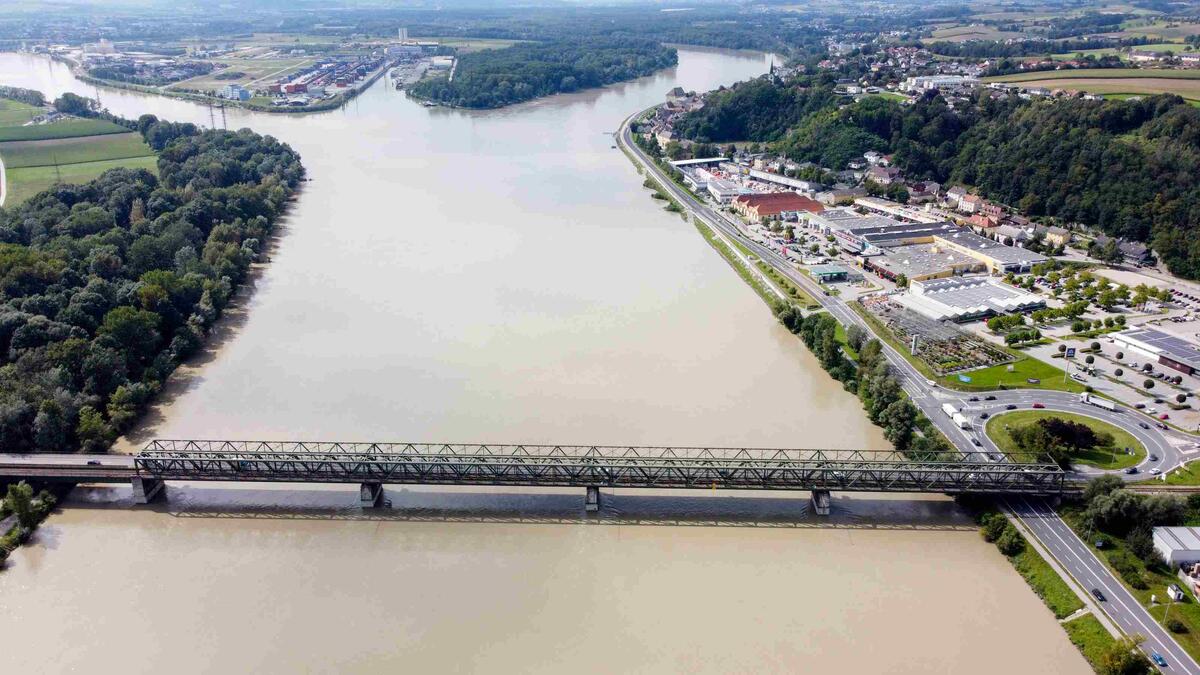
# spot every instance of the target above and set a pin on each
(1155, 471)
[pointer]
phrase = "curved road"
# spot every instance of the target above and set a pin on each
(1054, 534)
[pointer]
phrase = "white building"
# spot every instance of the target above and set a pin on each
(967, 298)
(1178, 545)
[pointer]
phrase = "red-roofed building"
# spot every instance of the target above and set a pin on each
(774, 205)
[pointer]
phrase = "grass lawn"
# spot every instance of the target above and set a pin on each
(1188, 474)
(1187, 611)
(1089, 636)
(27, 182)
(21, 154)
(71, 128)
(1096, 457)
(1046, 583)
(15, 113)
(1023, 369)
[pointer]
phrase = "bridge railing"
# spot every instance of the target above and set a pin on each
(606, 466)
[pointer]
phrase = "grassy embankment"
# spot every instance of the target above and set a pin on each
(1024, 368)
(1111, 457)
(1151, 581)
(36, 157)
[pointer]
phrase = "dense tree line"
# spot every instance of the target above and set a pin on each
(1126, 167)
(871, 379)
(105, 287)
(495, 78)
(27, 96)
(990, 49)
(754, 110)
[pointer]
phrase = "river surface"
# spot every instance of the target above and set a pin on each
(503, 277)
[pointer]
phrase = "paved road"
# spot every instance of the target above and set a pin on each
(1077, 559)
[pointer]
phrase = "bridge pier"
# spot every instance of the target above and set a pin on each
(370, 495)
(146, 490)
(591, 503)
(820, 502)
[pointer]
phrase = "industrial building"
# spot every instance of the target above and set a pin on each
(1165, 349)
(1178, 545)
(967, 299)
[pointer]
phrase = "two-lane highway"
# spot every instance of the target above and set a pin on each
(1043, 522)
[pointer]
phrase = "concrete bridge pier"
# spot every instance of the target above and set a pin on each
(820, 502)
(146, 490)
(591, 503)
(370, 495)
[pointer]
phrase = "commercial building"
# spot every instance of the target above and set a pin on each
(724, 191)
(827, 273)
(1178, 545)
(1165, 349)
(773, 205)
(235, 92)
(967, 298)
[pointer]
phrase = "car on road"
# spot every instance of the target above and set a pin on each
(989, 398)
(1155, 471)
(1143, 425)
(93, 462)
(1010, 406)
(984, 416)
(1158, 659)
(1097, 594)
(1131, 470)
(1039, 405)
(930, 382)
(973, 399)
(1153, 458)
(975, 442)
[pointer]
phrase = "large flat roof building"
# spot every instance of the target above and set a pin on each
(967, 298)
(1168, 350)
(1177, 545)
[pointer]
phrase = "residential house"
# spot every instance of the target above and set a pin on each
(884, 175)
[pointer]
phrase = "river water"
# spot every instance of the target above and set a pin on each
(503, 277)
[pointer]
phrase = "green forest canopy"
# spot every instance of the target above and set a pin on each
(106, 287)
(1130, 168)
(495, 78)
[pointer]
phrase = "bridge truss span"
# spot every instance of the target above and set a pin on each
(592, 466)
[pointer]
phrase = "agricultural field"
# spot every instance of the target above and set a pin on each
(1160, 30)
(1171, 47)
(36, 157)
(15, 113)
(972, 32)
(467, 45)
(72, 128)
(1094, 73)
(1119, 81)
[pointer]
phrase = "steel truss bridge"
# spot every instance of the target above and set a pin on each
(374, 464)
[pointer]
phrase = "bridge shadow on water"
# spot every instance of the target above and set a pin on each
(623, 508)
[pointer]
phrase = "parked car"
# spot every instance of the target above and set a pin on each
(1164, 416)
(1097, 594)
(973, 398)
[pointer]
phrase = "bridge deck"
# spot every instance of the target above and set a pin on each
(546, 465)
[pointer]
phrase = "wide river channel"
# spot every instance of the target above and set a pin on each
(503, 277)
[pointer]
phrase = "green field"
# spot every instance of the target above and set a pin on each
(1097, 73)
(1089, 636)
(1160, 47)
(1188, 474)
(1046, 583)
(1023, 370)
(71, 128)
(27, 182)
(1101, 458)
(23, 154)
(15, 113)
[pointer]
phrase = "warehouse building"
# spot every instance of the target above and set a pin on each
(1178, 545)
(1165, 349)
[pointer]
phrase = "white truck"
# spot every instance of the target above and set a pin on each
(961, 420)
(950, 410)
(1085, 397)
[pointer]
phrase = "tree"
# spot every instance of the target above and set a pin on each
(1101, 486)
(1095, 346)
(901, 281)
(1010, 542)
(95, 435)
(19, 500)
(1147, 384)
(1180, 398)
(899, 420)
(1118, 372)
(1123, 657)
(1089, 359)
(994, 525)
(1120, 355)
(1062, 348)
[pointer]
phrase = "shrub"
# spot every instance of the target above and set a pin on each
(1010, 542)
(1176, 626)
(1118, 372)
(994, 525)
(1127, 567)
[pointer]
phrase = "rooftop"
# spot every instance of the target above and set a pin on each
(1179, 538)
(918, 260)
(1171, 346)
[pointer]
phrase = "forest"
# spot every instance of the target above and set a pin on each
(1126, 167)
(524, 71)
(106, 287)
